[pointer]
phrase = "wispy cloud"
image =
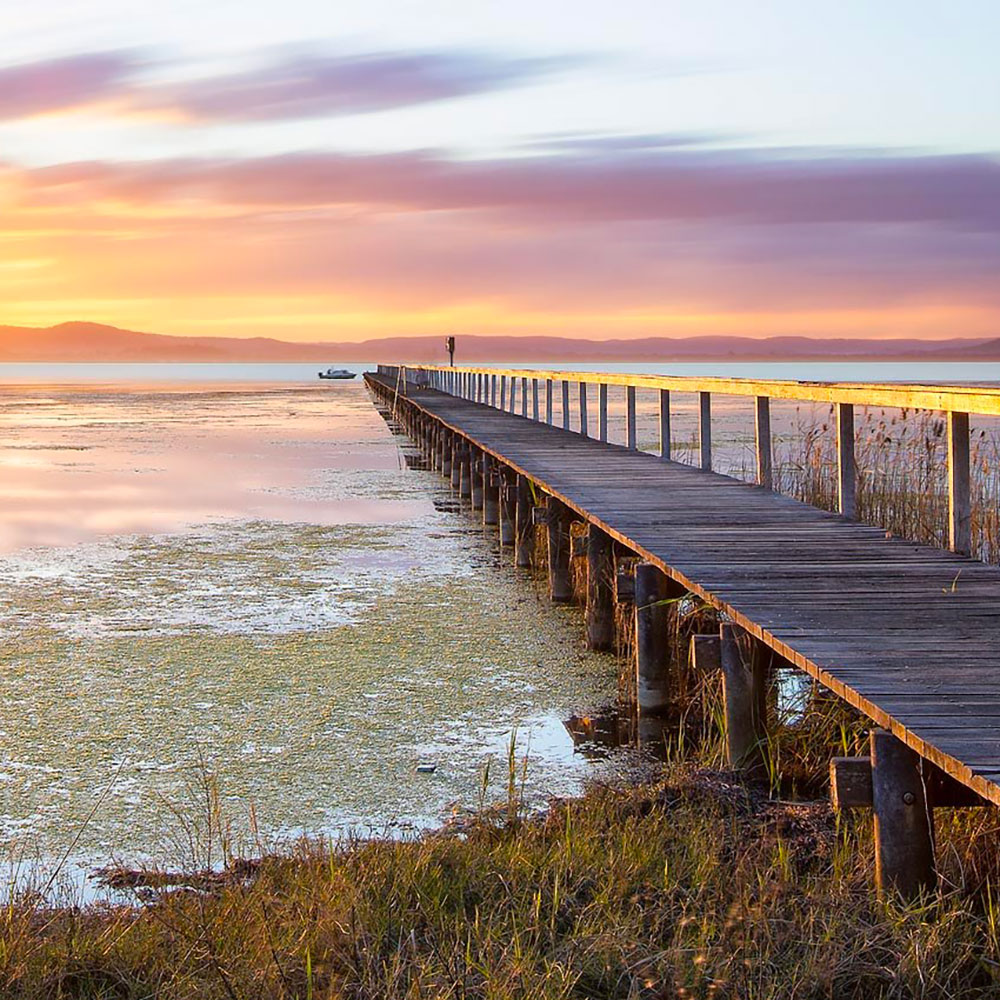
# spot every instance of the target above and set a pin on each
(713, 186)
(642, 241)
(314, 86)
(294, 85)
(59, 84)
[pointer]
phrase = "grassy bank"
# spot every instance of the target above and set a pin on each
(689, 885)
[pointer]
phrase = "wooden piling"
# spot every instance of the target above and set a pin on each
(508, 493)
(491, 493)
(652, 635)
(465, 472)
(904, 829)
(744, 681)
(523, 523)
(600, 589)
(456, 462)
(557, 523)
(477, 480)
(446, 455)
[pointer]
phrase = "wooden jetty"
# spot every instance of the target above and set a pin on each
(905, 633)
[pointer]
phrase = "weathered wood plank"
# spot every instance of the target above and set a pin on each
(903, 632)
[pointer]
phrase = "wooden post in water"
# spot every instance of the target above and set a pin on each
(705, 429)
(602, 411)
(477, 480)
(959, 501)
(557, 523)
(630, 428)
(744, 682)
(600, 589)
(762, 427)
(508, 498)
(665, 424)
(491, 493)
(904, 830)
(456, 462)
(652, 640)
(446, 455)
(846, 475)
(465, 472)
(523, 526)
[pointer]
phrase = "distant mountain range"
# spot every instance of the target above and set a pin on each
(94, 342)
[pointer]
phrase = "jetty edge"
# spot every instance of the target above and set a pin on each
(878, 621)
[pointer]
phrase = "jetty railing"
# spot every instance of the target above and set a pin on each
(522, 391)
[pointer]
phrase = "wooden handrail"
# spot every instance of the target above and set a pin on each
(982, 399)
(956, 401)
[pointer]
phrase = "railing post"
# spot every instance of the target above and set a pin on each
(705, 430)
(534, 399)
(762, 414)
(665, 424)
(846, 473)
(630, 431)
(513, 392)
(565, 404)
(503, 393)
(959, 495)
(524, 396)
(548, 400)
(493, 390)
(602, 411)
(584, 426)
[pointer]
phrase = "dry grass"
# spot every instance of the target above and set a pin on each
(691, 885)
(902, 482)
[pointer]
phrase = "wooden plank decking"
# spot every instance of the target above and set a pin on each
(906, 633)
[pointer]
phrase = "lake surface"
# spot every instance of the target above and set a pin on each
(224, 593)
(243, 585)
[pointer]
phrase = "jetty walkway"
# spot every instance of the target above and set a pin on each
(906, 633)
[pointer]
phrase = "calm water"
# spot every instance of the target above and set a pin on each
(226, 575)
(244, 584)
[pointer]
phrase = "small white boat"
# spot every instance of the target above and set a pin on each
(337, 373)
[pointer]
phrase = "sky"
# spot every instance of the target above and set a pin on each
(327, 171)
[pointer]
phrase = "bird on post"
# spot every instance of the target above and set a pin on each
(449, 343)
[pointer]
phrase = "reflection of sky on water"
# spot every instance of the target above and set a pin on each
(96, 461)
(251, 583)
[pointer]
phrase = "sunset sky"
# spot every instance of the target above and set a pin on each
(325, 171)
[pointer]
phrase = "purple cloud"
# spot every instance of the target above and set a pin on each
(665, 186)
(314, 86)
(58, 84)
(296, 86)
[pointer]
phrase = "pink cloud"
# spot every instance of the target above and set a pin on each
(59, 84)
(736, 187)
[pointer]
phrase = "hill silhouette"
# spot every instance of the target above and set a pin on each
(96, 342)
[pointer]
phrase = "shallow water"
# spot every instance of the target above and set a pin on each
(246, 584)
